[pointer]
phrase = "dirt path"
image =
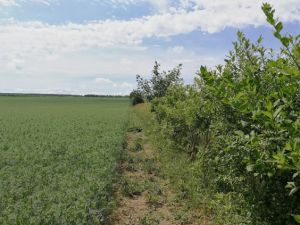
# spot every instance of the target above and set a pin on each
(144, 195)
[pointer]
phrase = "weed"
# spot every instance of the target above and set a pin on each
(150, 166)
(147, 220)
(137, 145)
(132, 187)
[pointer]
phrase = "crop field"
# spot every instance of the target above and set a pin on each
(58, 157)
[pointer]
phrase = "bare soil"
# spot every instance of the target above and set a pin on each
(152, 205)
(144, 195)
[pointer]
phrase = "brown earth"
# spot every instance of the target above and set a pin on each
(140, 208)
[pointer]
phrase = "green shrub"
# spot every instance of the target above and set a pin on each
(136, 97)
(159, 83)
(240, 124)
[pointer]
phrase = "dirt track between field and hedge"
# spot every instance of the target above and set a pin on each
(139, 207)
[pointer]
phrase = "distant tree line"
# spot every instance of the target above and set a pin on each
(62, 95)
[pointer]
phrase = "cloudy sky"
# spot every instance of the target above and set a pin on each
(98, 46)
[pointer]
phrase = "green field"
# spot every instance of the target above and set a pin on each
(58, 157)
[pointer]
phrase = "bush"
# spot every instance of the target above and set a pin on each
(240, 123)
(159, 83)
(136, 97)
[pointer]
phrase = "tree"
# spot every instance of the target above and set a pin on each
(136, 97)
(159, 82)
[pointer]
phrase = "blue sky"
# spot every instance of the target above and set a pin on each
(98, 46)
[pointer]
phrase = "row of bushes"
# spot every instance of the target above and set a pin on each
(240, 123)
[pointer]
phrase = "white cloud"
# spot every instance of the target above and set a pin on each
(23, 38)
(109, 82)
(45, 2)
(239, 13)
(123, 85)
(62, 85)
(41, 49)
(6, 3)
(160, 5)
(210, 16)
(15, 65)
(126, 62)
(176, 50)
(103, 81)
(225, 9)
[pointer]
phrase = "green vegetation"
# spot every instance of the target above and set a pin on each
(230, 142)
(136, 97)
(159, 83)
(58, 157)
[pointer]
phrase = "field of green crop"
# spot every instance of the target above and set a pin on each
(58, 158)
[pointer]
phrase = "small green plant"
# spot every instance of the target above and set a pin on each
(153, 200)
(137, 145)
(151, 166)
(132, 187)
(182, 216)
(148, 220)
(130, 163)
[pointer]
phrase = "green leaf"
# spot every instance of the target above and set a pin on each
(279, 27)
(239, 95)
(269, 106)
(276, 103)
(285, 41)
(290, 185)
(277, 35)
(239, 133)
(269, 12)
(297, 218)
(293, 191)
(250, 168)
(277, 111)
(268, 114)
(295, 175)
(270, 174)
(244, 107)
(288, 147)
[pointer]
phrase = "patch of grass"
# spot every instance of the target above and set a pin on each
(148, 220)
(132, 187)
(154, 200)
(131, 163)
(184, 216)
(150, 166)
(154, 193)
(137, 145)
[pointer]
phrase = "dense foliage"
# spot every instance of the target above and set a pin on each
(136, 97)
(240, 124)
(58, 157)
(159, 83)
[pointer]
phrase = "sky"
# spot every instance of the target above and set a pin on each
(98, 46)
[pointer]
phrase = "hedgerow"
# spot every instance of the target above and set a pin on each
(240, 125)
